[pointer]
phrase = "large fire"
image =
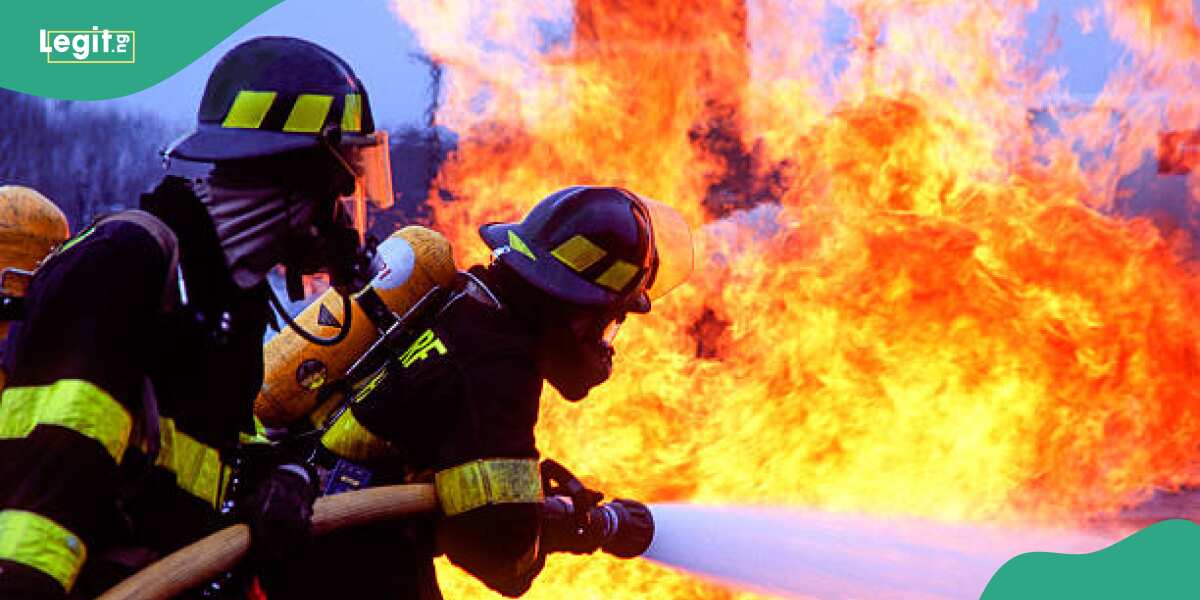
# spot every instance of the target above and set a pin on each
(937, 307)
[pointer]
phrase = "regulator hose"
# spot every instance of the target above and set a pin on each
(347, 315)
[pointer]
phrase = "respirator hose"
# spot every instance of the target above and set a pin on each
(347, 315)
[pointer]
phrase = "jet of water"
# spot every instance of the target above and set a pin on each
(811, 554)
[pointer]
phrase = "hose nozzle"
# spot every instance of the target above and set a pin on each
(628, 527)
(623, 528)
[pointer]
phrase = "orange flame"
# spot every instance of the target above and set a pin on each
(936, 313)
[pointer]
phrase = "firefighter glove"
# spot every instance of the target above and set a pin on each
(563, 532)
(279, 510)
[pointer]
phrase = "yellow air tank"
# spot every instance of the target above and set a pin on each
(413, 260)
(30, 227)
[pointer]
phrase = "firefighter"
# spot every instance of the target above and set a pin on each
(132, 376)
(459, 405)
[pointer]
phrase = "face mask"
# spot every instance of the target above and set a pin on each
(258, 225)
(262, 222)
(337, 251)
(576, 352)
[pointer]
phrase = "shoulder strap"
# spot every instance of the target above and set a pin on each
(166, 240)
(170, 298)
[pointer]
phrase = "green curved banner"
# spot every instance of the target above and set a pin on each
(94, 50)
(1160, 561)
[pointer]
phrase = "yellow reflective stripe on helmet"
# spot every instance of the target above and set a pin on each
(72, 403)
(617, 276)
(578, 253)
(308, 113)
(488, 481)
(352, 113)
(37, 542)
(351, 440)
(518, 244)
(197, 467)
(249, 109)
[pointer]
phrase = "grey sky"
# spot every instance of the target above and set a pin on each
(363, 32)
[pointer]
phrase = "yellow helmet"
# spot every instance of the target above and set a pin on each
(30, 227)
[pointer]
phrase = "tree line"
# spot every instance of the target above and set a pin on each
(91, 161)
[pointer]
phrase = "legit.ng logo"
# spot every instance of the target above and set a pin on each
(88, 46)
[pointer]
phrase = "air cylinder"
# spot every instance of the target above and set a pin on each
(409, 264)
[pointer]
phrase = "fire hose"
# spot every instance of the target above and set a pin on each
(573, 520)
(206, 559)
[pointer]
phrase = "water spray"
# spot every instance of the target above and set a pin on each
(811, 554)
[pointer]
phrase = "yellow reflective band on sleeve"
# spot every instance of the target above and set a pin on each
(617, 276)
(197, 467)
(518, 244)
(40, 543)
(374, 382)
(349, 439)
(578, 253)
(352, 113)
(248, 110)
(488, 481)
(71, 403)
(308, 113)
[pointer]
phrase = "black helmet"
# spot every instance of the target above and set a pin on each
(274, 94)
(600, 247)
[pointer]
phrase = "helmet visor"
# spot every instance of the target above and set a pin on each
(609, 334)
(372, 167)
(672, 248)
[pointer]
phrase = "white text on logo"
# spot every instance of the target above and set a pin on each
(88, 46)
